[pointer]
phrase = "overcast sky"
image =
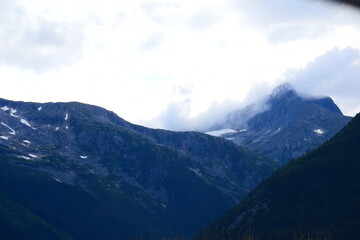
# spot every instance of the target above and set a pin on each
(175, 63)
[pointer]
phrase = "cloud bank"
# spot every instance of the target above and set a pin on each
(175, 64)
(335, 74)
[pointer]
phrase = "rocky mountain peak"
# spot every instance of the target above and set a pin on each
(283, 90)
(285, 125)
(287, 94)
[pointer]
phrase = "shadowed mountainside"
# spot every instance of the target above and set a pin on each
(76, 170)
(317, 193)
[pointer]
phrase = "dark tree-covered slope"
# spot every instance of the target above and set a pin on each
(317, 193)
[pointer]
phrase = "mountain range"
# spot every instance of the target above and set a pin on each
(316, 196)
(283, 126)
(76, 171)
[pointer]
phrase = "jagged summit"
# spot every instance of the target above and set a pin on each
(285, 125)
(286, 92)
(329, 104)
(283, 90)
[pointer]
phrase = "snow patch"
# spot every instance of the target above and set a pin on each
(24, 157)
(32, 155)
(66, 127)
(27, 142)
(196, 171)
(243, 130)
(56, 179)
(39, 108)
(12, 113)
(5, 108)
(12, 130)
(66, 116)
(83, 157)
(57, 129)
(4, 137)
(23, 121)
(319, 131)
(219, 133)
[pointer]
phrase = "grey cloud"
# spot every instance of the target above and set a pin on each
(37, 44)
(153, 42)
(290, 32)
(263, 13)
(336, 74)
(176, 116)
(287, 20)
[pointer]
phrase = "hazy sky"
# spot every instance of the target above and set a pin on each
(177, 63)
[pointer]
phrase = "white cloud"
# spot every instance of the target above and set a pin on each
(162, 12)
(177, 117)
(152, 42)
(203, 19)
(36, 43)
(178, 113)
(143, 58)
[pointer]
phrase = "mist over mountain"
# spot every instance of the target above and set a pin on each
(284, 125)
(76, 171)
(313, 197)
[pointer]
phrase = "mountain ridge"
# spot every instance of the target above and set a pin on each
(163, 182)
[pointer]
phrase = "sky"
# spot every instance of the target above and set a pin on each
(177, 64)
